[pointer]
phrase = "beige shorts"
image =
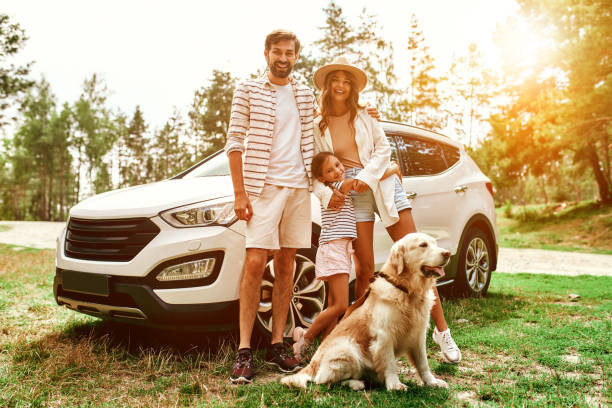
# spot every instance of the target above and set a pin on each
(334, 257)
(281, 219)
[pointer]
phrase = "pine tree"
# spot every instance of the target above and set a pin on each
(471, 88)
(363, 46)
(94, 136)
(32, 160)
(169, 155)
(419, 104)
(210, 113)
(132, 146)
(13, 79)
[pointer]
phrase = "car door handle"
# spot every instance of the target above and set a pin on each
(411, 195)
(460, 189)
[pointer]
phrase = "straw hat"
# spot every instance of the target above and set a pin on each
(342, 64)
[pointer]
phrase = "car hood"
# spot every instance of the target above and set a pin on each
(148, 200)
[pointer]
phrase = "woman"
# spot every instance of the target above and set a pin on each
(345, 128)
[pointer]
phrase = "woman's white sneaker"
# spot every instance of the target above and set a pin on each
(448, 348)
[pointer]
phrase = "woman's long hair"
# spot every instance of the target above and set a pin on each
(325, 102)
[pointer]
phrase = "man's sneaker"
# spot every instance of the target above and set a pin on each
(449, 350)
(242, 371)
(301, 343)
(278, 356)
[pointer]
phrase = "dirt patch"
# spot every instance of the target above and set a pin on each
(468, 396)
(573, 359)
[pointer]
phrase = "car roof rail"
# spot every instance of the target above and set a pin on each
(393, 122)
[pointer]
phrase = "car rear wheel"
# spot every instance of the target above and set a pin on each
(308, 295)
(474, 267)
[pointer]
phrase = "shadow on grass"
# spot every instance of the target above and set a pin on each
(134, 338)
(146, 363)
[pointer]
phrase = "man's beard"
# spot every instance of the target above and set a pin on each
(280, 73)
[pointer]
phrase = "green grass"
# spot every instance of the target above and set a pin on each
(4, 228)
(526, 344)
(581, 227)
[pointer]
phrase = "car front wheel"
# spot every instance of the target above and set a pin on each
(308, 295)
(474, 267)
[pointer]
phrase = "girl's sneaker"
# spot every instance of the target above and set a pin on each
(300, 342)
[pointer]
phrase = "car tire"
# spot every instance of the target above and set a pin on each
(308, 295)
(474, 265)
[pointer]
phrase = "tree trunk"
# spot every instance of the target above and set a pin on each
(606, 152)
(602, 182)
(61, 191)
(50, 212)
(42, 206)
(543, 186)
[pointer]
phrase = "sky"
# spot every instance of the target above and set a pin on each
(157, 53)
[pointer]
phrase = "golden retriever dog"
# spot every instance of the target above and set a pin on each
(389, 321)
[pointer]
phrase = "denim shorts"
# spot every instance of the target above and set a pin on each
(364, 203)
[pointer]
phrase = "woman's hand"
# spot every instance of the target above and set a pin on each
(395, 169)
(336, 201)
(359, 186)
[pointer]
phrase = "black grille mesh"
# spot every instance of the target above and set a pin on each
(108, 240)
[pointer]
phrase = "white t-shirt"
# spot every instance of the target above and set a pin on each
(286, 166)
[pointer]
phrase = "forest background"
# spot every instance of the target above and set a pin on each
(541, 129)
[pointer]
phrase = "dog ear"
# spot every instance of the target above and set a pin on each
(397, 258)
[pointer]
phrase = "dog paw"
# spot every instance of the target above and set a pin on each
(355, 385)
(436, 382)
(294, 381)
(396, 386)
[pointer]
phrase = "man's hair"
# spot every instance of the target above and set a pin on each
(316, 167)
(282, 35)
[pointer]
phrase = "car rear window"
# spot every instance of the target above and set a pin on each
(420, 157)
(451, 154)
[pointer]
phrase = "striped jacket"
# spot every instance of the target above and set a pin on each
(252, 120)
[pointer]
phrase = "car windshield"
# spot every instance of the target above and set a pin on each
(214, 165)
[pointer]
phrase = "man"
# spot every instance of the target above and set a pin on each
(271, 190)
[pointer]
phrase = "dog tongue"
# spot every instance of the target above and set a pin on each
(437, 269)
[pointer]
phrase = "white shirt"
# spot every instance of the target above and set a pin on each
(286, 166)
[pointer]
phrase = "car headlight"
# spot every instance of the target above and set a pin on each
(216, 212)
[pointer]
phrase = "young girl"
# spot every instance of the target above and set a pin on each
(333, 263)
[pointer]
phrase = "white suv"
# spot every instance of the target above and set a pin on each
(169, 254)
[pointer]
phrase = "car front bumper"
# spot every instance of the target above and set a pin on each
(133, 294)
(136, 302)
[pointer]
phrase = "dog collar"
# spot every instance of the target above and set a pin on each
(363, 297)
(391, 280)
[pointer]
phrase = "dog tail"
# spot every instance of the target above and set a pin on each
(301, 378)
(356, 304)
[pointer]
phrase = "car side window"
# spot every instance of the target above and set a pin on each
(394, 155)
(397, 145)
(420, 156)
(451, 154)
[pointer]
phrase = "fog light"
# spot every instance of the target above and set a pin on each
(199, 269)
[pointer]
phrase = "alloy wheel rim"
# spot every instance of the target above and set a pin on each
(477, 264)
(307, 296)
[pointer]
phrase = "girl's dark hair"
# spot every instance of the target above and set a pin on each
(318, 160)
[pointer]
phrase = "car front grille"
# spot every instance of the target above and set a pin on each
(108, 240)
